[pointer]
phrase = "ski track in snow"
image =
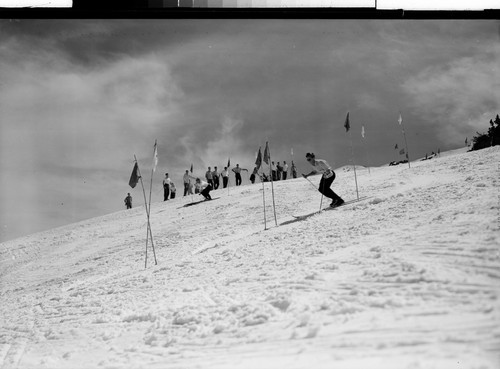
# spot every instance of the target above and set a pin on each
(408, 278)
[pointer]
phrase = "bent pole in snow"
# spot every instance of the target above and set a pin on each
(149, 232)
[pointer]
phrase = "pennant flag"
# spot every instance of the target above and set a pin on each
(258, 161)
(346, 124)
(396, 147)
(400, 120)
(134, 178)
(228, 162)
(363, 131)
(266, 154)
(155, 157)
(191, 167)
(401, 152)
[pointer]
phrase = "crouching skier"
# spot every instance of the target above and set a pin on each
(321, 166)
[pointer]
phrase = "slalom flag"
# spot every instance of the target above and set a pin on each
(400, 120)
(191, 167)
(155, 157)
(228, 162)
(396, 147)
(134, 178)
(258, 161)
(266, 154)
(401, 152)
(346, 124)
(363, 131)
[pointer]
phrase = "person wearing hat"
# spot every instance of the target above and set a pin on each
(321, 166)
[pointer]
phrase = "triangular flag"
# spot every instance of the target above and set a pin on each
(363, 131)
(346, 124)
(155, 157)
(134, 178)
(400, 120)
(258, 161)
(266, 154)
(396, 147)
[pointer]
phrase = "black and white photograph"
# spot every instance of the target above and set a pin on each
(249, 193)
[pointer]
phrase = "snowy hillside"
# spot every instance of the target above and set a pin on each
(409, 277)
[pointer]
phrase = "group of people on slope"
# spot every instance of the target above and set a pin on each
(204, 188)
(212, 181)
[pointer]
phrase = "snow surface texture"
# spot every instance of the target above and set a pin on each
(407, 278)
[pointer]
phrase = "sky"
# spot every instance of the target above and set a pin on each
(80, 98)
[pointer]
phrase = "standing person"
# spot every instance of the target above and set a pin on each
(128, 201)
(273, 171)
(225, 177)
(321, 166)
(294, 170)
(237, 174)
(279, 171)
(215, 178)
(187, 182)
(285, 170)
(209, 177)
(254, 174)
(166, 187)
(173, 190)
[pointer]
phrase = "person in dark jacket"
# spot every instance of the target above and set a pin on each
(128, 201)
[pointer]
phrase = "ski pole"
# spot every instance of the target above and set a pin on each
(312, 184)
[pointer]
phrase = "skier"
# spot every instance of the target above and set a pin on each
(128, 201)
(327, 178)
(203, 188)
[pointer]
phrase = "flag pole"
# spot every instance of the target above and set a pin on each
(152, 171)
(347, 126)
(272, 186)
(404, 136)
(228, 174)
(364, 148)
(354, 165)
(258, 162)
(149, 224)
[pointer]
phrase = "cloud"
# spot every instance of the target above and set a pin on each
(459, 97)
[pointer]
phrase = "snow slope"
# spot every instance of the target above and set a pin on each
(407, 278)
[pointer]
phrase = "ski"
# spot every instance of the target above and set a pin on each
(346, 203)
(198, 202)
